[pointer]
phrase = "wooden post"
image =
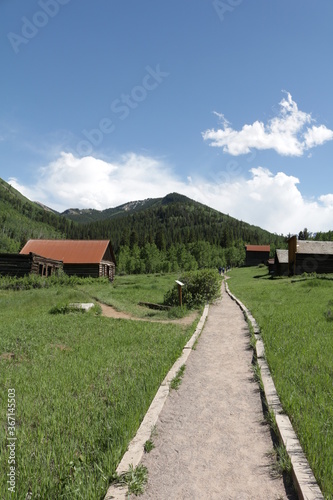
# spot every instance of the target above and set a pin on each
(180, 284)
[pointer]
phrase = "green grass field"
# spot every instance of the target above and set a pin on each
(82, 382)
(127, 291)
(295, 317)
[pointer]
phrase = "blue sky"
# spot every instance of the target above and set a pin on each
(228, 102)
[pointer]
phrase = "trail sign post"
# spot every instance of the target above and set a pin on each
(180, 285)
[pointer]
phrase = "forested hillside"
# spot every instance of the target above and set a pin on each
(175, 232)
(174, 219)
(21, 219)
(154, 235)
(86, 215)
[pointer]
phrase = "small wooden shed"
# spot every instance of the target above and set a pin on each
(271, 266)
(256, 254)
(281, 265)
(85, 258)
(12, 264)
(310, 256)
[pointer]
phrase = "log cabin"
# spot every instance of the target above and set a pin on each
(85, 258)
(310, 256)
(256, 254)
(12, 264)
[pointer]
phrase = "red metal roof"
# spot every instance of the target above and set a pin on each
(69, 251)
(257, 248)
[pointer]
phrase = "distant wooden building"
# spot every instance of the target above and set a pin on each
(310, 256)
(271, 266)
(85, 258)
(256, 254)
(31, 263)
(281, 264)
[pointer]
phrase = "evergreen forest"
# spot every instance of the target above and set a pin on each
(156, 235)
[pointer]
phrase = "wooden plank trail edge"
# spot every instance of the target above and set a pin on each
(135, 449)
(304, 480)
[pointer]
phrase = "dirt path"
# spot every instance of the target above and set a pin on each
(111, 312)
(211, 441)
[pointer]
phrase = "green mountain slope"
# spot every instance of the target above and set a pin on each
(170, 220)
(152, 235)
(21, 219)
(175, 233)
(86, 215)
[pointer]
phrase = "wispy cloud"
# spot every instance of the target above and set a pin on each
(273, 202)
(290, 133)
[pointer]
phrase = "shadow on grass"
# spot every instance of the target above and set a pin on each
(268, 275)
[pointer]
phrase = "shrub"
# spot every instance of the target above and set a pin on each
(199, 287)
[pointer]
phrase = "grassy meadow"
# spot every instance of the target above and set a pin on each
(129, 290)
(296, 320)
(82, 382)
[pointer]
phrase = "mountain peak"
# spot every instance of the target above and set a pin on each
(174, 198)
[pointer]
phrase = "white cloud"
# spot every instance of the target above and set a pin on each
(289, 133)
(273, 202)
(317, 136)
(88, 182)
(326, 200)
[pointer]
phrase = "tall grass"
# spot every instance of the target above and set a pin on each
(83, 384)
(294, 317)
(31, 281)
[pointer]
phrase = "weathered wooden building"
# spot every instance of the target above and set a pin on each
(281, 264)
(86, 258)
(12, 264)
(256, 254)
(310, 256)
(271, 266)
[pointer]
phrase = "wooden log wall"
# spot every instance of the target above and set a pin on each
(82, 270)
(256, 258)
(312, 263)
(15, 265)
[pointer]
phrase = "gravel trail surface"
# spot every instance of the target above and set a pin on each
(212, 441)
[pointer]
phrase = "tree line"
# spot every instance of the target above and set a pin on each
(178, 257)
(174, 233)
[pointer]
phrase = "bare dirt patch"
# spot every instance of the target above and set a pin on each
(11, 356)
(111, 312)
(7, 355)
